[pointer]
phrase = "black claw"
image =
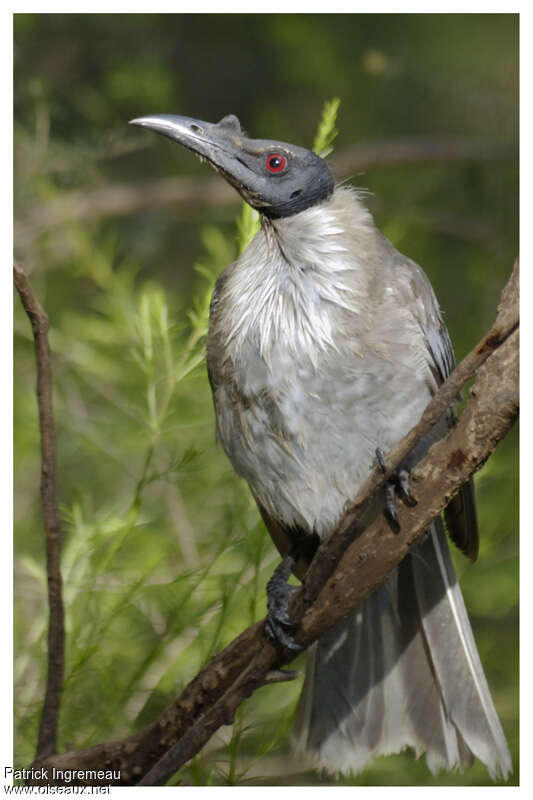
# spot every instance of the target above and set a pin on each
(276, 632)
(279, 593)
(390, 506)
(380, 456)
(279, 614)
(398, 484)
(404, 483)
(280, 676)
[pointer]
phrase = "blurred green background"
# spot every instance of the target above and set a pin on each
(122, 233)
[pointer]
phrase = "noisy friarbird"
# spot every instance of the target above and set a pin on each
(325, 346)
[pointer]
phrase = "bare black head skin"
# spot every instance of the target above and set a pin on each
(276, 178)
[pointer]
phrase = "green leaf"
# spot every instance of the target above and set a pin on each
(248, 224)
(327, 132)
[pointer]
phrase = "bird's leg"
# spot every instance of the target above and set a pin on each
(398, 484)
(279, 593)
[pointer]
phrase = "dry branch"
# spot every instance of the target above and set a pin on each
(47, 739)
(211, 698)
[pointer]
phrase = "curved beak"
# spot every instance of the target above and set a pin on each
(222, 144)
(205, 139)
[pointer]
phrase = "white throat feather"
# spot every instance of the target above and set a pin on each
(298, 277)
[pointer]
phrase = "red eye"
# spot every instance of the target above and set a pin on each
(276, 162)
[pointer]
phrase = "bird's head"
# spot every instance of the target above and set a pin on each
(276, 178)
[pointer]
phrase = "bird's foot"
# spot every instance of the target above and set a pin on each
(398, 485)
(279, 592)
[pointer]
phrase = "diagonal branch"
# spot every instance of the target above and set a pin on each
(346, 568)
(47, 739)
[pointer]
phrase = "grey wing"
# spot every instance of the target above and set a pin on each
(213, 355)
(460, 514)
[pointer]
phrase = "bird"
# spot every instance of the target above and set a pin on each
(325, 345)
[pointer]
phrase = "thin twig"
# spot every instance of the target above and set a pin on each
(47, 739)
(211, 698)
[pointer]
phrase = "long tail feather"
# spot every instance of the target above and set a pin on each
(403, 671)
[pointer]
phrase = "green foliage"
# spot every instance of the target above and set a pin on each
(165, 559)
(327, 132)
(248, 223)
(147, 601)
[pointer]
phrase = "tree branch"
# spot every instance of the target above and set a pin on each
(47, 739)
(362, 560)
